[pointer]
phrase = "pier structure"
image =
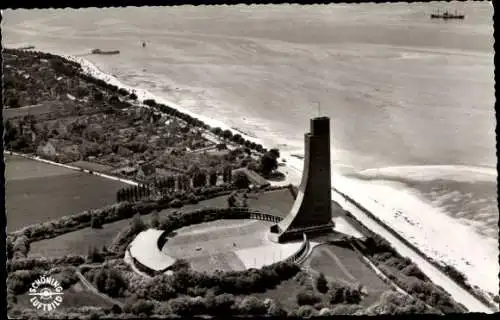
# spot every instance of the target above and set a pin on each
(312, 209)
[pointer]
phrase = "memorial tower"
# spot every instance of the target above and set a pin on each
(312, 210)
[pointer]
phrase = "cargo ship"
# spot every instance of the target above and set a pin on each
(99, 51)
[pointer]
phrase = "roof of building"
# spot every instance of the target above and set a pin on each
(254, 178)
(145, 249)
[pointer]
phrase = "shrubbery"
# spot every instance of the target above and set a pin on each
(344, 294)
(107, 280)
(43, 263)
(307, 297)
(322, 283)
(18, 282)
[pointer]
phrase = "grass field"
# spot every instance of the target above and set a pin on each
(37, 192)
(277, 202)
(345, 265)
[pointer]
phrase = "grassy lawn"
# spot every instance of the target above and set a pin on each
(37, 200)
(345, 265)
(277, 202)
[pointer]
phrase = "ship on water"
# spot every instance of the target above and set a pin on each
(447, 15)
(99, 51)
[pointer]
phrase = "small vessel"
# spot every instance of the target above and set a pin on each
(26, 48)
(99, 51)
(447, 15)
(144, 44)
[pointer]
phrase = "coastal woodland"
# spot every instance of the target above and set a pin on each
(55, 111)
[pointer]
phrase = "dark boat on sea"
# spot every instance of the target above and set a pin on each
(446, 15)
(99, 51)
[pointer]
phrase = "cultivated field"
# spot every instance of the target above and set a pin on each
(345, 265)
(37, 192)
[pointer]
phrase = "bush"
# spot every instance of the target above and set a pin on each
(344, 294)
(307, 297)
(413, 271)
(139, 307)
(305, 311)
(275, 309)
(252, 305)
(96, 222)
(109, 281)
(322, 283)
(240, 180)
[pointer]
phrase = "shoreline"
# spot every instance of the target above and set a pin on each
(292, 164)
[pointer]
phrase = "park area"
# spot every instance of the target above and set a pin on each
(37, 192)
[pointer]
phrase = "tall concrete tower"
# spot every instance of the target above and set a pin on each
(312, 210)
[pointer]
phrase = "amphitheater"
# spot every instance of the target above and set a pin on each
(226, 244)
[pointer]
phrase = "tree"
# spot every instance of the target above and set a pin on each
(226, 174)
(252, 305)
(94, 255)
(227, 134)
(13, 102)
(240, 180)
(10, 132)
(137, 224)
(155, 220)
(322, 283)
(307, 297)
(231, 201)
(96, 222)
(212, 177)
(269, 162)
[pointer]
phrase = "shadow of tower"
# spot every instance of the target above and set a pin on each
(312, 210)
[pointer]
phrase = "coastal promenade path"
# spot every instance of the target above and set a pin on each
(437, 276)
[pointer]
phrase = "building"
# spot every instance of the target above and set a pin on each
(312, 209)
(255, 179)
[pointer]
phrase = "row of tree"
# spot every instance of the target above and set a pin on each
(196, 178)
(133, 193)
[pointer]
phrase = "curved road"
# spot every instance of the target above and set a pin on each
(437, 276)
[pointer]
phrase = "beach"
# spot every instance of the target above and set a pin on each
(389, 92)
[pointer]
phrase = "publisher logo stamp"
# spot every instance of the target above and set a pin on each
(46, 292)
